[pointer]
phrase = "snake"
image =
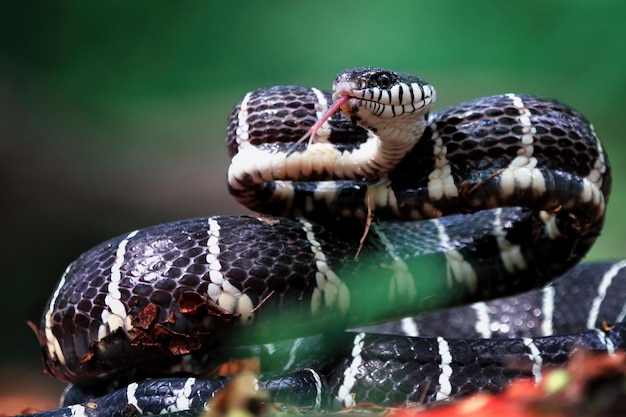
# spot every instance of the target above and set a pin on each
(397, 255)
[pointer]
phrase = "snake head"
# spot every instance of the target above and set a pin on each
(382, 99)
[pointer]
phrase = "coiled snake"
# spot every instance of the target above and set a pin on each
(387, 211)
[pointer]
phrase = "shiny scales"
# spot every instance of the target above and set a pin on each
(515, 188)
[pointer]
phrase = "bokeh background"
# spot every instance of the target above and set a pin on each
(112, 114)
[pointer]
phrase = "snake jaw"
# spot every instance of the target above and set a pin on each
(384, 87)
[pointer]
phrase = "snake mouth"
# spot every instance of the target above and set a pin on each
(349, 95)
(392, 101)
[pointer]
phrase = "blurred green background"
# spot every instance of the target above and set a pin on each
(113, 113)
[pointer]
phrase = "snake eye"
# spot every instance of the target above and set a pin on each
(383, 80)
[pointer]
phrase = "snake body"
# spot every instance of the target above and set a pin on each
(486, 199)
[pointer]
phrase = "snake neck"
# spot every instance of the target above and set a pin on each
(254, 172)
(373, 159)
(253, 169)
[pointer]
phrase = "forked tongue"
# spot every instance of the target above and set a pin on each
(310, 134)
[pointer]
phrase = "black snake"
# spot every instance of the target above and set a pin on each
(513, 189)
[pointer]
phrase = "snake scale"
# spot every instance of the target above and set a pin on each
(382, 211)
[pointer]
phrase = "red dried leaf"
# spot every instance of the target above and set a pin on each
(146, 317)
(191, 302)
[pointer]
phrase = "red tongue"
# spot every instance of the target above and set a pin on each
(313, 130)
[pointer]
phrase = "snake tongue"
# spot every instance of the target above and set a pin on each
(310, 134)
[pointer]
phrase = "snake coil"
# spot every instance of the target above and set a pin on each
(385, 212)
